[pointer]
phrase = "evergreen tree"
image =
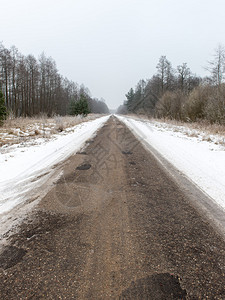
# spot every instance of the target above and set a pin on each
(3, 110)
(80, 107)
(72, 107)
(130, 99)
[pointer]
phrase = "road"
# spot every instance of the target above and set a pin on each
(114, 226)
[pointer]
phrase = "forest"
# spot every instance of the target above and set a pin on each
(179, 94)
(33, 86)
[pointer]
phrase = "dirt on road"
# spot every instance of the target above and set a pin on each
(114, 226)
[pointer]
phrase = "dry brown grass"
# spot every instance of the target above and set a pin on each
(16, 130)
(215, 129)
(202, 129)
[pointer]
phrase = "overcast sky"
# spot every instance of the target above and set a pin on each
(110, 44)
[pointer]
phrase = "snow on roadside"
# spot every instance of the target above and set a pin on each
(22, 165)
(202, 161)
(15, 131)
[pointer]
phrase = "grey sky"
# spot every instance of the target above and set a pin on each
(110, 44)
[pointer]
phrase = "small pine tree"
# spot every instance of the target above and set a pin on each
(72, 107)
(79, 107)
(3, 110)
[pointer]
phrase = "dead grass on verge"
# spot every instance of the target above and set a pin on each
(200, 126)
(16, 130)
(202, 129)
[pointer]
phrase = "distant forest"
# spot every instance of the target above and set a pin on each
(34, 86)
(179, 94)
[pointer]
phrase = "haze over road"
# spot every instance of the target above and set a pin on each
(114, 226)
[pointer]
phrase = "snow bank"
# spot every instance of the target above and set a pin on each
(22, 168)
(203, 162)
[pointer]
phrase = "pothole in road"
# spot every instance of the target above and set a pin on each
(157, 286)
(127, 152)
(84, 167)
(11, 256)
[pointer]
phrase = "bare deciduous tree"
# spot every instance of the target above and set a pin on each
(165, 73)
(217, 66)
(32, 86)
(184, 74)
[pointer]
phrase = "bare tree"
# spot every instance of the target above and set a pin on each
(6, 68)
(217, 66)
(32, 86)
(165, 74)
(183, 75)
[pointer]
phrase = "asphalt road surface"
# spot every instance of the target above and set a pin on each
(114, 226)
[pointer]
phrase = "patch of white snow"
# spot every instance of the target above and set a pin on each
(25, 166)
(202, 161)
